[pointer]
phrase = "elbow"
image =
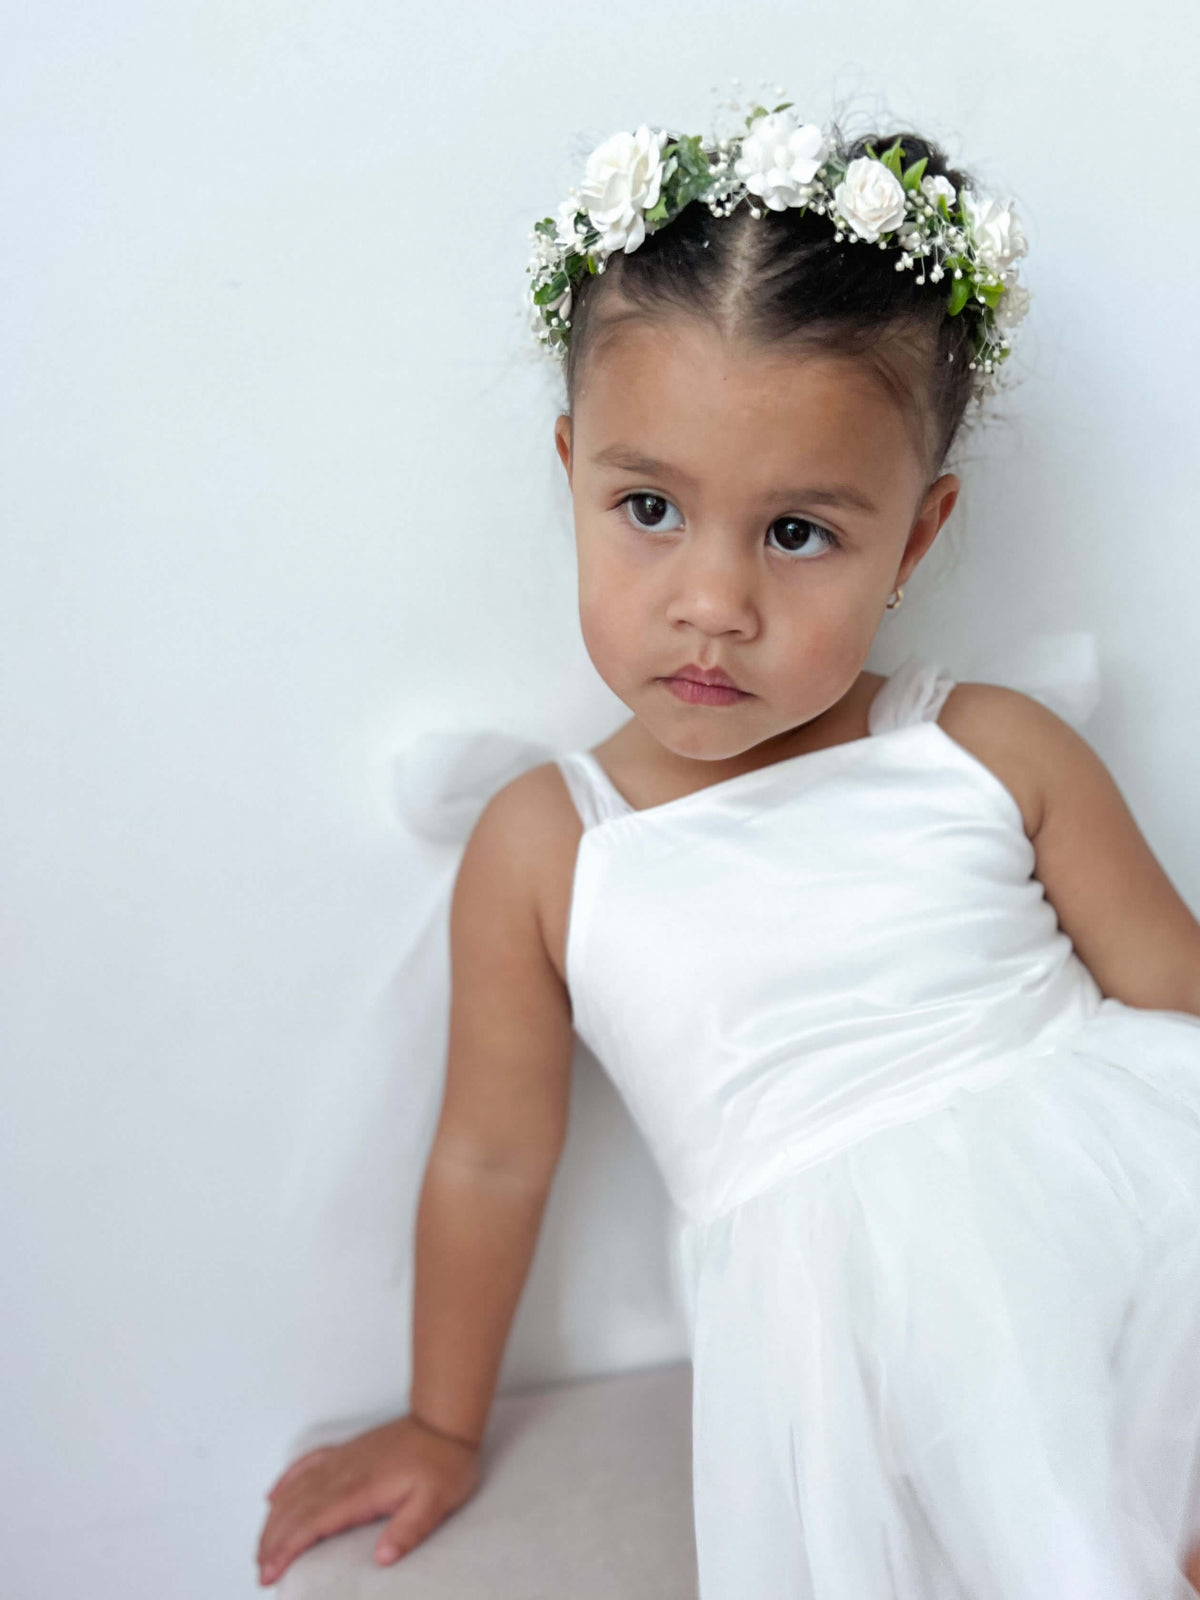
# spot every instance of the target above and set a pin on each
(529, 1167)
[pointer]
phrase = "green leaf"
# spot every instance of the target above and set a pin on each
(756, 111)
(693, 177)
(691, 156)
(892, 158)
(911, 177)
(658, 213)
(992, 293)
(557, 285)
(960, 293)
(691, 188)
(786, 106)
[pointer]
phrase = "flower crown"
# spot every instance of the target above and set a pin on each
(636, 183)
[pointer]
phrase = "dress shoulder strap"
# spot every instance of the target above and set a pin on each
(590, 788)
(915, 692)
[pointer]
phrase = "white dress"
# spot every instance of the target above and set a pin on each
(941, 1200)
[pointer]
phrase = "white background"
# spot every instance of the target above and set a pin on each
(279, 493)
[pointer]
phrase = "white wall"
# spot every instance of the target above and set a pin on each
(278, 493)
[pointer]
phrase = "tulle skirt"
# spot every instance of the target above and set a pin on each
(960, 1359)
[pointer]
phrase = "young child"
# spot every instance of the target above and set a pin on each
(906, 1008)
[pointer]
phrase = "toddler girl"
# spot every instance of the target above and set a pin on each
(903, 1003)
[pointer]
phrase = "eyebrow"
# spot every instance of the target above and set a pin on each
(833, 494)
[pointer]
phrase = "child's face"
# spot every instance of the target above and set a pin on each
(710, 483)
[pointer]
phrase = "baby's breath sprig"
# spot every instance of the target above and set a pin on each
(636, 183)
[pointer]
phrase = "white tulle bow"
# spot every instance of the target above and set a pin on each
(445, 777)
(1062, 670)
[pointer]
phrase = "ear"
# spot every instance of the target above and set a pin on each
(936, 506)
(562, 441)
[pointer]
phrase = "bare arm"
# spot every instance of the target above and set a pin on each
(496, 1148)
(1129, 924)
(503, 1119)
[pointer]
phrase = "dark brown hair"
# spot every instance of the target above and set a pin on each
(783, 277)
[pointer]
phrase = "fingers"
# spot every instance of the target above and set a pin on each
(297, 1467)
(415, 1521)
(394, 1471)
(308, 1514)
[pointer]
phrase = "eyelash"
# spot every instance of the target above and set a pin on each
(831, 538)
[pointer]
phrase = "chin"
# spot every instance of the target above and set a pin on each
(718, 741)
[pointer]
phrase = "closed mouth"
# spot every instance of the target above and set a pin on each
(710, 690)
(711, 677)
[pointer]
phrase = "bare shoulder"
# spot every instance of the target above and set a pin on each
(519, 862)
(1127, 921)
(527, 812)
(507, 1088)
(1024, 744)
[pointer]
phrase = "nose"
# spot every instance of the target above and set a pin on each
(714, 587)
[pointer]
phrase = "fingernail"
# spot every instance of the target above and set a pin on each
(387, 1552)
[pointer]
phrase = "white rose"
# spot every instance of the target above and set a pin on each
(870, 198)
(1012, 306)
(622, 182)
(996, 231)
(779, 158)
(932, 188)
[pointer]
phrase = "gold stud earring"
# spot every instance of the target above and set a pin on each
(895, 598)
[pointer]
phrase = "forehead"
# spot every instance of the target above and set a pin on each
(681, 391)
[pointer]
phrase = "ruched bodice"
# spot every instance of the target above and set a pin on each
(775, 965)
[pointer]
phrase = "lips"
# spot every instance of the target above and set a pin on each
(708, 675)
(704, 686)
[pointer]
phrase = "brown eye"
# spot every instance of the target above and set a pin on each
(648, 510)
(795, 536)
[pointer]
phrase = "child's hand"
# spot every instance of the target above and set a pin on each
(402, 1470)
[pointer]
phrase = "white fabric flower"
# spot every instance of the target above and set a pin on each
(931, 188)
(996, 231)
(622, 183)
(780, 158)
(870, 198)
(1012, 305)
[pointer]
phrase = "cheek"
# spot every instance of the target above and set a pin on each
(607, 631)
(607, 611)
(821, 650)
(818, 614)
